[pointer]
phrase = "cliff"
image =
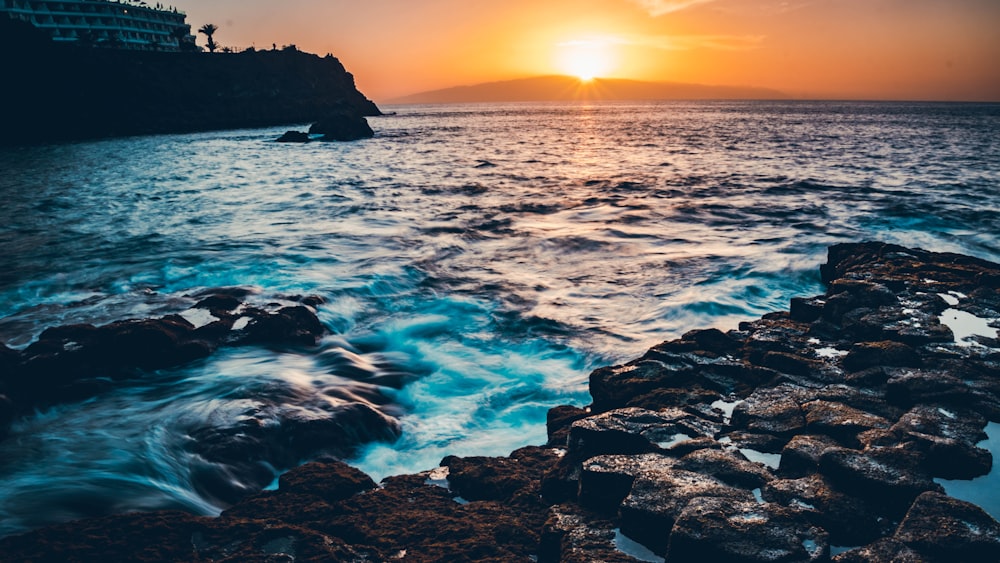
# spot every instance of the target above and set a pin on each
(55, 92)
(830, 424)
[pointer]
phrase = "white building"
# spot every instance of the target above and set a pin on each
(122, 24)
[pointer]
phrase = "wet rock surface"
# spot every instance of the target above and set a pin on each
(75, 362)
(718, 529)
(823, 426)
(241, 442)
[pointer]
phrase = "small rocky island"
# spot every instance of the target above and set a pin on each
(825, 425)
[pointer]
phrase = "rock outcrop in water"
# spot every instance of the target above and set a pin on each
(75, 362)
(61, 92)
(238, 451)
(343, 125)
(825, 425)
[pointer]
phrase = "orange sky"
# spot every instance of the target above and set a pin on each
(870, 49)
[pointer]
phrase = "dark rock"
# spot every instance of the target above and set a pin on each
(909, 326)
(150, 344)
(574, 535)
(653, 506)
(947, 439)
(650, 492)
(294, 137)
(291, 508)
(61, 339)
(770, 411)
(605, 481)
(885, 550)
(329, 480)
(633, 430)
(54, 342)
(766, 443)
(790, 363)
(558, 420)
(874, 377)
(871, 401)
(835, 307)
(840, 421)
(499, 478)
(657, 399)
(8, 359)
(885, 353)
(869, 294)
(426, 523)
(175, 536)
(806, 310)
(312, 301)
(65, 356)
(713, 340)
(940, 526)
(771, 336)
(219, 302)
(561, 482)
(718, 529)
(218, 332)
(663, 373)
(613, 387)
(6, 415)
(849, 519)
(893, 476)
(242, 448)
(801, 455)
(344, 125)
(728, 466)
(289, 325)
(950, 387)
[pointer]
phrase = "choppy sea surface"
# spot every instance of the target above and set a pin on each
(494, 254)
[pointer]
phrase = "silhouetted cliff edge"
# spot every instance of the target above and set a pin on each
(54, 92)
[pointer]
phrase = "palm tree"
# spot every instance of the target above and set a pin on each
(209, 30)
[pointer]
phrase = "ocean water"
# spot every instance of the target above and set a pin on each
(489, 255)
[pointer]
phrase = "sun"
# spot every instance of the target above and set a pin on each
(585, 59)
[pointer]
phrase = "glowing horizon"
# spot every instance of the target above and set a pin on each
(586, 59)
(849, 49)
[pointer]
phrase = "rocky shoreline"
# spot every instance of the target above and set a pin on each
(826, 425)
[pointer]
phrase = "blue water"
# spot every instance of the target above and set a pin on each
(491, 255)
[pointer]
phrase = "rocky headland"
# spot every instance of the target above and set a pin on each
(59, 92)
(826, 425)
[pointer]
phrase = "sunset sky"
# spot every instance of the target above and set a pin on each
(870, 49)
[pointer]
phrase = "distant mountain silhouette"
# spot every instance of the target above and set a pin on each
(568, 88)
